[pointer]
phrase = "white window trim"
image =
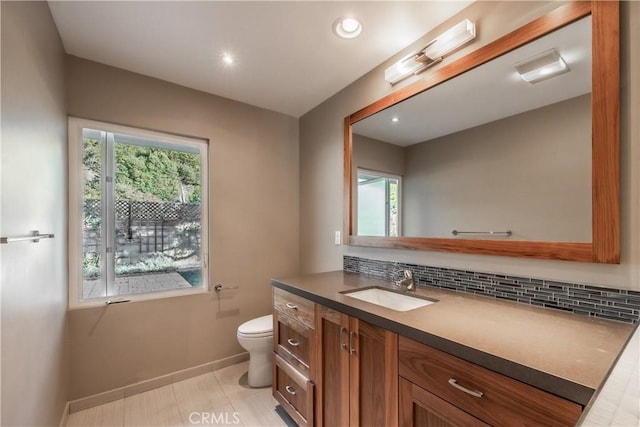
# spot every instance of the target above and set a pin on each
(75, 126)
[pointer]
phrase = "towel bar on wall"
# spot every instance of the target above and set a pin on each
(34, 237)
(219, 287)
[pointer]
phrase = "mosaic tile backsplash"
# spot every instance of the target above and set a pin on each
(615, 304)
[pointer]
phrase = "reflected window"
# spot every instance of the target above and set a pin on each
(378, 204)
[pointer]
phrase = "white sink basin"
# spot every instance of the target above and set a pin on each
(389, 299)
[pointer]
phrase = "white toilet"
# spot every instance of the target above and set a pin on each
(256, 336)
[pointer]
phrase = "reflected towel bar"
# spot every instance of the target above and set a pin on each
(34, 237)
(490, 233)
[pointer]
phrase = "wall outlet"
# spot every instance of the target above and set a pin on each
(338, 240)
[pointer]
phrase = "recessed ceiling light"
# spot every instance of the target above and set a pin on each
(395, 120)
(227, 58)
(347, 27)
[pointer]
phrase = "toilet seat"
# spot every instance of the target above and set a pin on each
(257, 328)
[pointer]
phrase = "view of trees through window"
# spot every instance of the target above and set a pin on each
(141, 215)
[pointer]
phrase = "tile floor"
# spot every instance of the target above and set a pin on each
(219, 398)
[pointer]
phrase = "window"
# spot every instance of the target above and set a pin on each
(378, 204)
(138, 213)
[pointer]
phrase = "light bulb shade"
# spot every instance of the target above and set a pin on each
(403, 68)
(542, 66)
(419, 61)
(452, 39)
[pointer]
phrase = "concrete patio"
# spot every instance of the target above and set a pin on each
(136, 284)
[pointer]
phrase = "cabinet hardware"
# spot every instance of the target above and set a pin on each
(474, 393)
(352, 336)
(292, 391)
(343, 331)
(292, 342)
(292, 306)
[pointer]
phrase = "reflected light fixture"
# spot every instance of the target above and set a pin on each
(347, 27)
(542, 66)
(432, 53)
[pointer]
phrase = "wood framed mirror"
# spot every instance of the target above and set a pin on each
(602, 242)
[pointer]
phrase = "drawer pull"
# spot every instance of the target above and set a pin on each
(352, 336)
(292, 342)
(343, 344)
(473, 393)
(292, 391)
(292, 306)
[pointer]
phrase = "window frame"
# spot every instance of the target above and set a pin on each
(386, 176)
(75, 215)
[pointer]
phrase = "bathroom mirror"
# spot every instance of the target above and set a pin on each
(473, 159)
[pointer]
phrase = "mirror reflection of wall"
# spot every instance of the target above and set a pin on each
(488, 151)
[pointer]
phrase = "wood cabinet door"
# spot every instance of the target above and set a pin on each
(373, 375)
(418, 407)
(332, 399)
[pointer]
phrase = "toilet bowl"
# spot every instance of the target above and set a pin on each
(256, 336)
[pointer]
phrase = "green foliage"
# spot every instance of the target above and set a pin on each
(144, 173)
(155, 262)
(91, 265)
(92, 168)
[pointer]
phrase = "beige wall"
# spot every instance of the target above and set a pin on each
(33, 196)
(321, 160)
(529, 173)
(253, 230)
(372, 154)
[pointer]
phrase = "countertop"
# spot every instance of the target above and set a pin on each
(617, 402)
(563, 353)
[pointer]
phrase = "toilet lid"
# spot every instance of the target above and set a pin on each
(260, 325)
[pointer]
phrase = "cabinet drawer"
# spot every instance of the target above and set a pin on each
(498, 400)
(296, 307)
(293, 391)
(293, 342)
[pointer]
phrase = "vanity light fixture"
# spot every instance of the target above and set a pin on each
(347, 27)
(432, 53)
(542, 66)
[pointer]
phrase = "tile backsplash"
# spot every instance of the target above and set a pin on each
(594, 301)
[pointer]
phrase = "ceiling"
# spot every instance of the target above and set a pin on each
(487, 93)
(286, 57)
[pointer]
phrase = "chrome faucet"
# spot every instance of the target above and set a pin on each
(407, 282)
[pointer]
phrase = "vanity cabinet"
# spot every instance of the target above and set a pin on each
(358, 382)
(294, 345)
(436, 385)
(332, 369)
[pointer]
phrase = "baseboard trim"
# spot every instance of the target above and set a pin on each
(150, 384)
(65, 416)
